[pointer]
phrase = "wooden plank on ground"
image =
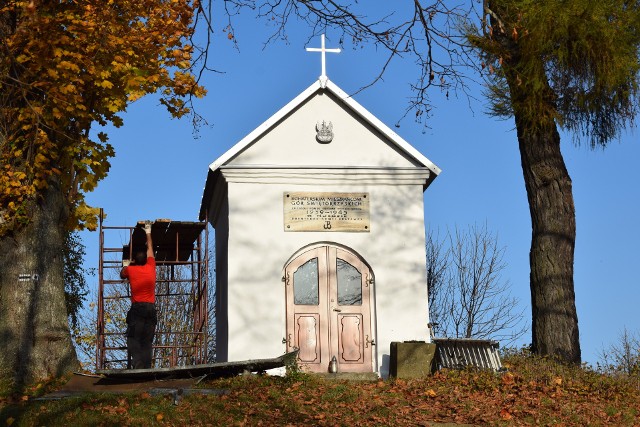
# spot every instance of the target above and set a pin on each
(221, 369)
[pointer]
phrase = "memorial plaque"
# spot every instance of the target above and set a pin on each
(307, 211)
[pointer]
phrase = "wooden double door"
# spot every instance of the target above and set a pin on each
(328, 291)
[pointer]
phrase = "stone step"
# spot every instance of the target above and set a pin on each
(349, 376)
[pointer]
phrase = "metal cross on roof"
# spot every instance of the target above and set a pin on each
(323, 50)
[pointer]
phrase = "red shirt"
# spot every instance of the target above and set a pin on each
(142, 279)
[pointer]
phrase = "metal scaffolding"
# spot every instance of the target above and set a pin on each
(182, 270)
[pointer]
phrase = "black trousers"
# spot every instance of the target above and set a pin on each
(141, 327)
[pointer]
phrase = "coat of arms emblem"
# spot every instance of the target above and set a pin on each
(325, 132)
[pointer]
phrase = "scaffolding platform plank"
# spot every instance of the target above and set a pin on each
(173, 241)
(220, 369)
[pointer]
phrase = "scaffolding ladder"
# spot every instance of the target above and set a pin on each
(182, 271)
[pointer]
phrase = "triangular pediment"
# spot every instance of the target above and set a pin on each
(352, 137)
(290, 137)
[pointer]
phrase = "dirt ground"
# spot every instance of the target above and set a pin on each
(80, 384)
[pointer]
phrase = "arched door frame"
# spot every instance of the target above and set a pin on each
(368, 281)
(325, 243)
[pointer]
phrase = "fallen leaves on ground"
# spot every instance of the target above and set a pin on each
(533, 392)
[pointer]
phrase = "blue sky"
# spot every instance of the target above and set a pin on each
(160, 168)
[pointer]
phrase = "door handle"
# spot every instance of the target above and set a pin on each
(368, 341)
(287, 341)
(337, 309)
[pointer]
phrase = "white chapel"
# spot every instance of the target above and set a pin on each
(320, 236)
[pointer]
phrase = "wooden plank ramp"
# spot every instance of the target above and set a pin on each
(212, 370)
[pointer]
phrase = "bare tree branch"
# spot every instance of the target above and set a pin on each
(623, 356)
(468, 296)
(430, 36)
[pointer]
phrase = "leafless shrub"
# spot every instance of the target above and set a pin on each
(623, 356)
(468, 296)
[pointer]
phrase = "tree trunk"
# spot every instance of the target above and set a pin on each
(35, 341)
(550, 196)
(549, 191)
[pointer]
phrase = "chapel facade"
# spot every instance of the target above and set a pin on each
(320, 237)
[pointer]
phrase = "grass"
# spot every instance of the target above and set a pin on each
(534, 391)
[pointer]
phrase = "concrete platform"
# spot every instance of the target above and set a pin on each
(349, 376)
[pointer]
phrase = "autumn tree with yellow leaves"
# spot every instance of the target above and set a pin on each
(66, 66)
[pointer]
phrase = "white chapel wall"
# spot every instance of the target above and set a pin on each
(222, 262)
(258, 247)
(394, 248)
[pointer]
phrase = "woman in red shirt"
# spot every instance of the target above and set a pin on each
(141, 318)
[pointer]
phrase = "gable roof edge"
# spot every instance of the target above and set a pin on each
(384, 129)
(244, 142)
(349, 101)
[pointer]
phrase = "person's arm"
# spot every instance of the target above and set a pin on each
(147, 230)
(125, 264)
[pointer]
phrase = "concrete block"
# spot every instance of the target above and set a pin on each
(411, 359)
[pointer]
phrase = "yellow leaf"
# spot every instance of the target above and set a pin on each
(430, 393)
(10, 421)
(135, 95)
(67, 88)
(106, 84)
(40, 158)
(159, 417)
(68, 66)
(87, 216)
(113, 107)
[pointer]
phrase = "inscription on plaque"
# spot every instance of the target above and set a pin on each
(306, 211)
